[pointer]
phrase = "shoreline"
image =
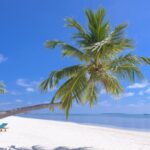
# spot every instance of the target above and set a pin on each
(107, 125)
(93, 124)
(29, 132)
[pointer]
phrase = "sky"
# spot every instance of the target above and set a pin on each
(26, 25)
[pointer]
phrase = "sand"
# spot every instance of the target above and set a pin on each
(38, 134)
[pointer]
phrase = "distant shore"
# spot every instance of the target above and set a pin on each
(55, 135)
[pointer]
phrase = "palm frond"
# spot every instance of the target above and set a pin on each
(68, 50)
(123, 59)
(56, 76)
(111, 84)
(126, 66)
(118, 31)
(82, 33)
(100, 15)
(54, 43)
(112, 44)
(96, 24)
(91, 92)
(70, 90)
(72, 51)
(2, 88)
(127, 71)
(145, 60)
(103, 31)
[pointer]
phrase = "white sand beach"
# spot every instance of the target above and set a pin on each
(36, 134)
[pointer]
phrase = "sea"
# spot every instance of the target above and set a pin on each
(138, 122)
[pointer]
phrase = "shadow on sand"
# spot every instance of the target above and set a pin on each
(36, 147)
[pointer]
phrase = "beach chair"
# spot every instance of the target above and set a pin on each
(3, 127)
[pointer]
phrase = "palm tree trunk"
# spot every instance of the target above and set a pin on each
(27, 109)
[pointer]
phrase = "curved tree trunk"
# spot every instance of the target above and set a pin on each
(27, 109)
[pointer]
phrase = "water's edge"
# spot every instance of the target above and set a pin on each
(136, 122)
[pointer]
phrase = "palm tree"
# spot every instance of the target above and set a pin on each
(103, 63)
(2, 88)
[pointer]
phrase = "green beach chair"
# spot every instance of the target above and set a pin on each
(3, 127)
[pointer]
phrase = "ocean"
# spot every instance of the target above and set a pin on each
(140, 122)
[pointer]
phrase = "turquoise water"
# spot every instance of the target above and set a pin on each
(138, 122)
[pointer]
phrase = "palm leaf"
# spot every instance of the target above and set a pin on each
(127, 71)
(72, 51)
(68, 50)
(56, 76)
(2, 88)
(111, 84)
(74, 87)
(145, 60)
(91, 92)
(82, 33)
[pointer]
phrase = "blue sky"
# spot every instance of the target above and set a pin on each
(24, 61)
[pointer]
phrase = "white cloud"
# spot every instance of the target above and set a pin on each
(19, 100)
(13, 93)
(29, 103)
(2, 58)
(22, 82)
(138, 85)
(29, 89)
(53, 89)
(128, 94)
(29, 86)
(147, 91)
(132, 105)
(141, 93)
(46, 101)
(103, 91)
(5, 103)
(139, 104)
(105, 104)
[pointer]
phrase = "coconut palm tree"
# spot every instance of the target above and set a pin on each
(103, 62)
(2, 88)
